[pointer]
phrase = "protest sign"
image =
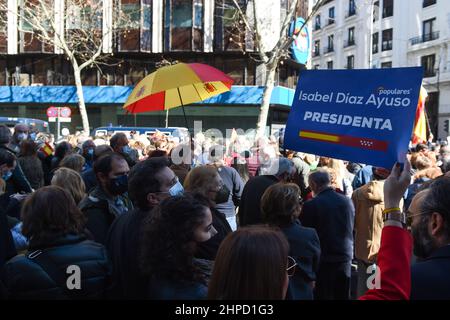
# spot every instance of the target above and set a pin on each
(363, 116)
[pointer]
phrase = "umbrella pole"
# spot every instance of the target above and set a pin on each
(185, 119)
(167, 118)
(184, 112)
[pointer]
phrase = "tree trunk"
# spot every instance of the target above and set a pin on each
(265, 103)
(80, 95)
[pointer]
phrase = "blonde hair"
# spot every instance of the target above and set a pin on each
(200, 179)
(339, 169)
(73, 161)
(71, 181)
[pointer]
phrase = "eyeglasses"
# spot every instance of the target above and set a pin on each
(291, 266)
(410, 216)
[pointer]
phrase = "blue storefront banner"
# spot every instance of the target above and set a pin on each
(364, 116)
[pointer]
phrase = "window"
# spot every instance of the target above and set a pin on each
(427, 3)
(388, 8)
(385, 65)
(428, 65)
(317, 25)
(183, 25)
(316, 48)
(351, 62)
(428, 30)
(376, 11)
(198, 25)
(351, 8)
(227, 26)
(375, 43)
(330, 65)
(3, 35)
(331, 15)
(135, 35)
(351, 36)
(387, 40)
(316, 67)
(330, 43)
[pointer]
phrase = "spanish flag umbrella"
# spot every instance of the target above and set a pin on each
(177, 85)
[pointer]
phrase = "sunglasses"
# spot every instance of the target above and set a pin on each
(291, 266)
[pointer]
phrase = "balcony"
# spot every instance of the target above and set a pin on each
(386, 45)
(425, 38)
(328, 50)
(350, 13)
(349, 43)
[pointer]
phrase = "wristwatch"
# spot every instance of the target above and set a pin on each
(396, 216)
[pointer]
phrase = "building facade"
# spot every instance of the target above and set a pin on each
(363, 34)
(182, 30)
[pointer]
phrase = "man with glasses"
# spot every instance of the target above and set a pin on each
(429, 218)
(149, 182)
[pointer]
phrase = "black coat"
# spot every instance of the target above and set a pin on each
(101, 211)
(430, 279)
(332, 215)
(7, 249)
(304, 247)
(250, 205)
(18, 182)
(47, 278)
(89, 179)
(124, 246)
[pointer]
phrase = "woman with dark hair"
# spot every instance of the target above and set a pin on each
(281, 206)
(241, 166)
(206, 181)
(30, 164)
(62, 149)
(59, 257)
(171, 237)
(252, 264)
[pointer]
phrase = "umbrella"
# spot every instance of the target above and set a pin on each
(177, 85)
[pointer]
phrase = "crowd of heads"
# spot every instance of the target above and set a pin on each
(252, 262)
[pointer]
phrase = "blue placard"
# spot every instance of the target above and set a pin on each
(364, 116)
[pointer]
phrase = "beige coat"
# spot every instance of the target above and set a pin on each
(369, 206)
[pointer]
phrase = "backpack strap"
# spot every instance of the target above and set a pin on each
(41, 259)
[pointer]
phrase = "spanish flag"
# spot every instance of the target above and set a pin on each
(47, 149)
(420, 124)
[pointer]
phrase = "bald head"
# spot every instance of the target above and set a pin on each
(416, 203)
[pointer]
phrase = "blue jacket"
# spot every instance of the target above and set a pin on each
(332, 215)
(430, 278)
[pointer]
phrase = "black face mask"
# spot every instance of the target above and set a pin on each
(119, 185)
(222, 195)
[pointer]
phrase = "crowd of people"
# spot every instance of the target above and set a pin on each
(145, 217)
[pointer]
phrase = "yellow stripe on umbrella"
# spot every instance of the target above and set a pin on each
(177, 85)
